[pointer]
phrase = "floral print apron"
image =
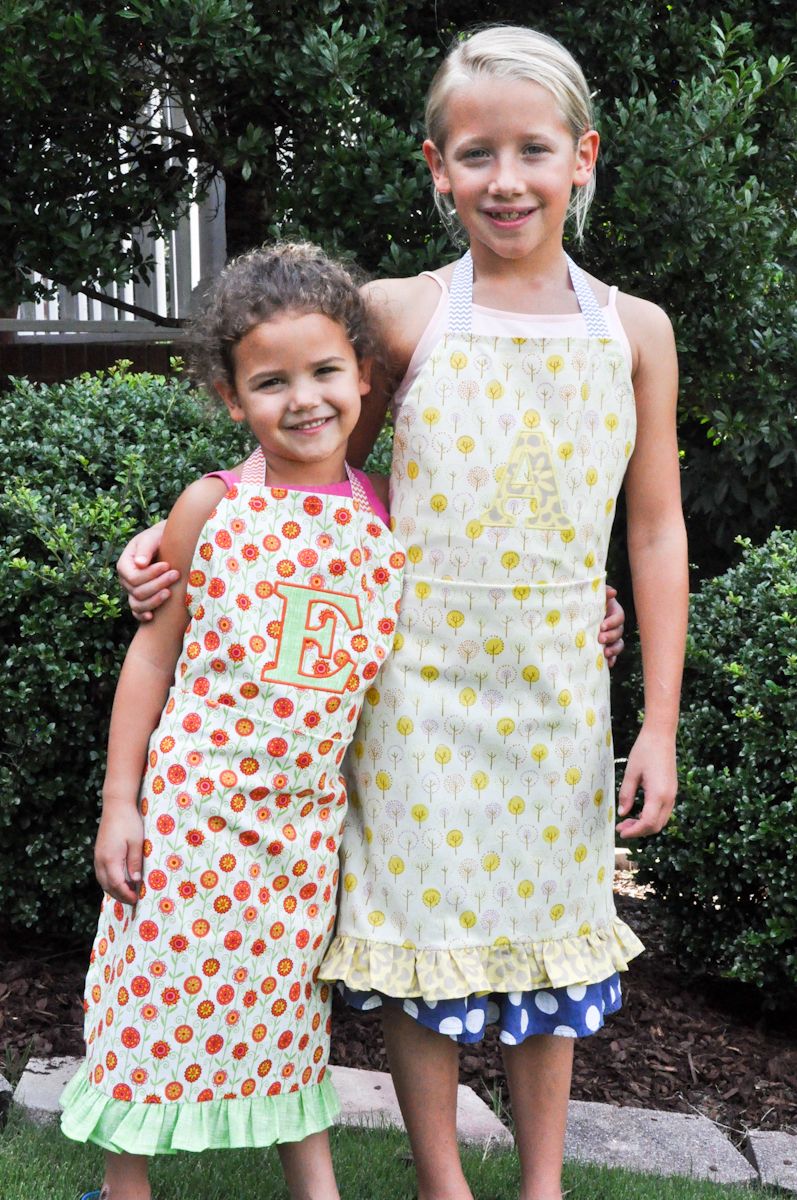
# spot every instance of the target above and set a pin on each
(205, 996)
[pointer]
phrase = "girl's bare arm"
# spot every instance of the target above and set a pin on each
(402, 308)
(658, 555)
(142, 689)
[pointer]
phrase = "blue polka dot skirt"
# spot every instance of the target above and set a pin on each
(574, 1011)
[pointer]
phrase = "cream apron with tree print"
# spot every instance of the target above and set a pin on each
(479, 846)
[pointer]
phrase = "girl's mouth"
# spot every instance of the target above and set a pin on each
(508, 216)
(309, 426)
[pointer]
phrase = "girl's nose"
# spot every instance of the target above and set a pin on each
(304, 394)
(506, 180)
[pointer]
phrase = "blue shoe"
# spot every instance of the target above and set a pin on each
(90, 1196)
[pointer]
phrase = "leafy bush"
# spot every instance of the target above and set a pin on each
(89, 463)
(724, 866)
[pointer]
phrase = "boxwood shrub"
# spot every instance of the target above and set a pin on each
(725, 867)
(88, 463)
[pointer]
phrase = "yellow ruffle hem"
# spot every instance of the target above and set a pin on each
(129, 1127)
(447, 974)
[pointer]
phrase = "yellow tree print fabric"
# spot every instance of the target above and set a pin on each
(478, 850)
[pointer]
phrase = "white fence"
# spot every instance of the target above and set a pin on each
(195, 250)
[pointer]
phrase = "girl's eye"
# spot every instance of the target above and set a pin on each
(329, 370)
(534, 149)
(267, 383)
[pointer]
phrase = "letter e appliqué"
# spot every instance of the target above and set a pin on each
(309, 623)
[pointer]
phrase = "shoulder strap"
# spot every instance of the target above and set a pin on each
(254, 469)
(228, 478)
(358, 492)
(590, 309)
(254, 472)
(460, 297)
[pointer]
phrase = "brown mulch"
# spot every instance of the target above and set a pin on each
(677, 1045)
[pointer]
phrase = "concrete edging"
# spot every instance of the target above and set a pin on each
(639, 1139)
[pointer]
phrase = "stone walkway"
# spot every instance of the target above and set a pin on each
(639, 1139)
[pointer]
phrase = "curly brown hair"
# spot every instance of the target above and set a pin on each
(286, 277)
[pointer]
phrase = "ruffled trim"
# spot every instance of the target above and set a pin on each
(136, 1128)
(447, 974)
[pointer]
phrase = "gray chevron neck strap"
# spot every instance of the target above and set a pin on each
(460, 300)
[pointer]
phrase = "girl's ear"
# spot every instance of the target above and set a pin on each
(586, 156)
(227, 393)
(437, 166)
(365, 367)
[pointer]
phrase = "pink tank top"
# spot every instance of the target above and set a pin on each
(501, 323)
(329, 489)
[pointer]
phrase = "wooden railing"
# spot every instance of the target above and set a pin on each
(192, 254)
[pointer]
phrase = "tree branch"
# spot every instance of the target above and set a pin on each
(178, 88)
(164, 131)
(135, 309)
(197, 146)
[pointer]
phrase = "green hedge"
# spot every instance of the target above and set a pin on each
(88, 463)
(724, 868)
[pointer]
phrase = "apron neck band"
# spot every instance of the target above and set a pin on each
(460, 300)
(254, 472)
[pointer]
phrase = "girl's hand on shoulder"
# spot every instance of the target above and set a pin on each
(612, 627)
(651, 768)
(180, 537)
(118, 853)
(146, 582)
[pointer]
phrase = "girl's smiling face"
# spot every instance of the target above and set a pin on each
(510, 163)
(298, 385)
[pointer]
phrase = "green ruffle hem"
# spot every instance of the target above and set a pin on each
(135, 1128)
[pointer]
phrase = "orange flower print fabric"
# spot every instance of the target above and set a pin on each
(208, 989)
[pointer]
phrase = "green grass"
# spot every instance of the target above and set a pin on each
(40, 1164)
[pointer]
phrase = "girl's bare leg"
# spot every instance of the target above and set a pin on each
(308, 1168)
(538, 1072)
(425, 1070)
(127, 1177)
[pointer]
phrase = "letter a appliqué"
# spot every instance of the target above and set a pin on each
(306, 653)
(528, 494)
